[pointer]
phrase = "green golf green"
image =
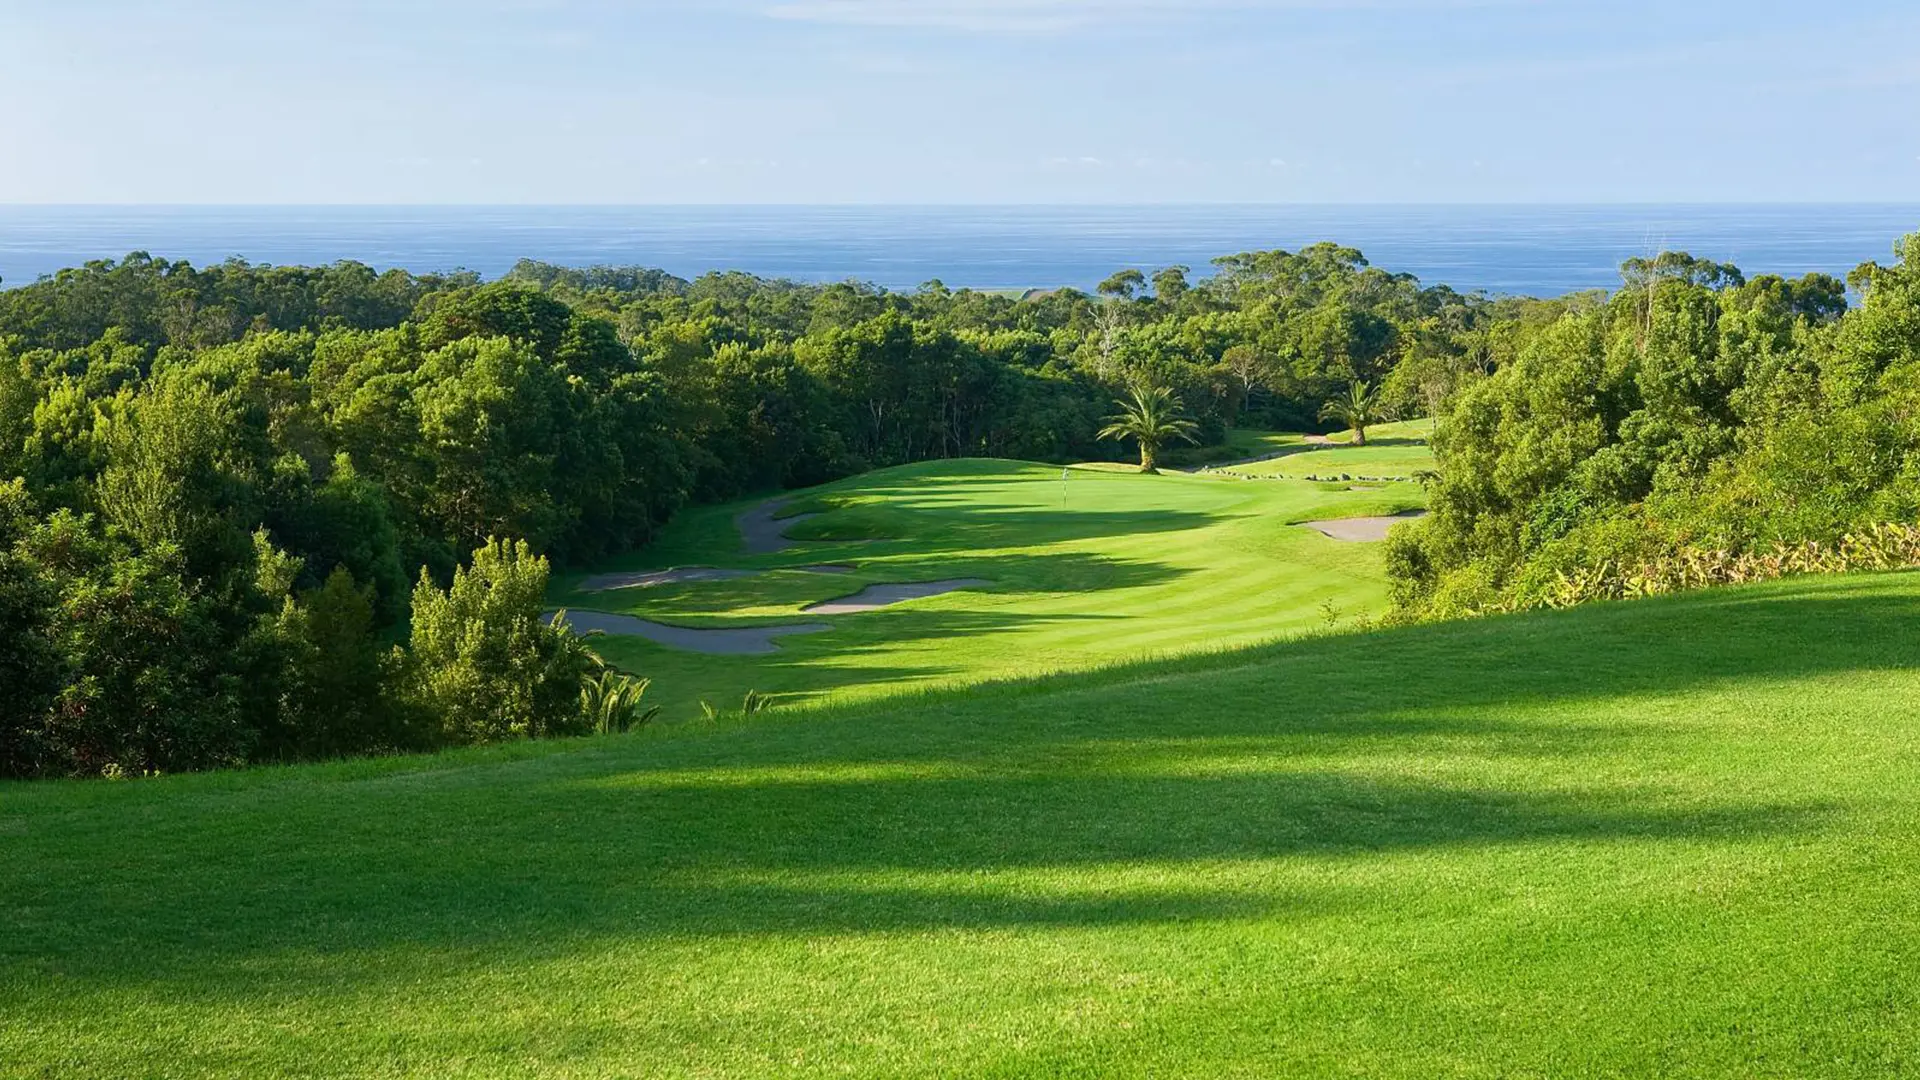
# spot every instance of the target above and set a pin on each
(1674, 837)
(1074, 568)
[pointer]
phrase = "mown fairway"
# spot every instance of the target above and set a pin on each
(1668, 838)
(1396, 450)
(1102, 567)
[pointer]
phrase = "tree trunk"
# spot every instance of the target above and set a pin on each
(1146, 458)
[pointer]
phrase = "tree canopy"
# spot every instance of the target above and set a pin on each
(1693, 410)
(241, 506)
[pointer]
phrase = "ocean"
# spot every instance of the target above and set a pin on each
(1522, 249)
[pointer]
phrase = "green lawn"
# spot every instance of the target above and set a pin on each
(1105, 566)
(1675, 838)
(1241, 443)
(1397, 450)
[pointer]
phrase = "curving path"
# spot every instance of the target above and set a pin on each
(730, 641)
(642, 579)
(761, 533)
(875, 597)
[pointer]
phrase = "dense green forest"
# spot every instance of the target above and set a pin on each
(269, 513)
(1692, 427)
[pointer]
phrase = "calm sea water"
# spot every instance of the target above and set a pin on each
(1540, 250)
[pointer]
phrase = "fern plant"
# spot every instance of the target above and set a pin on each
(754, 702)
(612, 702)
(1883, 546)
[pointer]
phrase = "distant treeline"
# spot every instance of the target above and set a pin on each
(234, 484)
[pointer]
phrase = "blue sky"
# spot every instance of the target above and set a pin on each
(958, 101)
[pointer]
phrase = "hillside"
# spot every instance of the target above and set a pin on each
(1063, 572)
(1391, 450)
(1673, 837)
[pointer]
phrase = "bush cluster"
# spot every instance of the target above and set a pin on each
(1695, 425)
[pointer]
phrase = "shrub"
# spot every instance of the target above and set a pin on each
(339, 695)
(1886, 546)
(29, 666)
(485, 665)
(610, 702)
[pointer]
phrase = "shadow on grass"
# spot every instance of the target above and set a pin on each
(937, 526)
(710, 603)
(1377, 440)
(932, 812)
(911, 522)
(809, 666)
(509, 868)
(1318, 448)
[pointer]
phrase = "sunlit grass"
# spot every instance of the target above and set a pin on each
(1241, 443)
(1094, 568)
(1397, 450)
(1671, 838)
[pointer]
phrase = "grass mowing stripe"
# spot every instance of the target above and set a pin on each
(1673, 837)
(1099, 567)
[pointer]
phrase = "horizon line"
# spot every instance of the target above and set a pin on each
(880, 205)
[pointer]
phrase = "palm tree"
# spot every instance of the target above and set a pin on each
(1360, 409)
(1153, 418)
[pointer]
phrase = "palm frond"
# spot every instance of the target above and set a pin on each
(611, 702)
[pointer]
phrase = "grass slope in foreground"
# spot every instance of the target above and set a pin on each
(1100, 567)
(1678, 838)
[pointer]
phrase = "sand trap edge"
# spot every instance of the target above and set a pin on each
(875, 597)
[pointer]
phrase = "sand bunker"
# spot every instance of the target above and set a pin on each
(1361, 529)
(643, 579)
(875, 597)
(763, 534)
(731, 641)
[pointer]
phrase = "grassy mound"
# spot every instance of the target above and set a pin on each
(1096, 568)
(1675, 837)
(1241, 443)
(1398, 449)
